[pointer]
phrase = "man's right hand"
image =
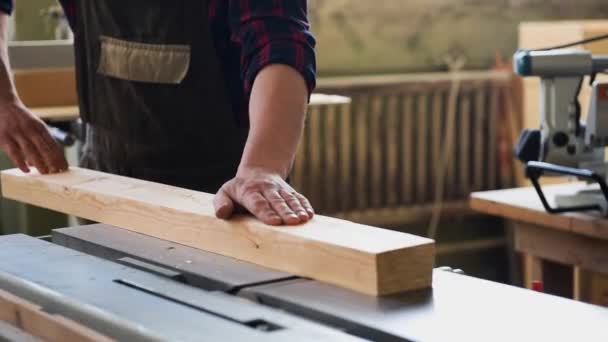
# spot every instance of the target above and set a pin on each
(27, 141)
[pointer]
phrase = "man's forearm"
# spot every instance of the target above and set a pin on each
(277, 111)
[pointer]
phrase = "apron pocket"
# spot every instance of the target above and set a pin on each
(140, 62)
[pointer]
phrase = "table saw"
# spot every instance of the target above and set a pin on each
(132, 287)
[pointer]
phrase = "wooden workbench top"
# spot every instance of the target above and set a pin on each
(57, 113)
(523, 205)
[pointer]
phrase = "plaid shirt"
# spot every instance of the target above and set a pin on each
(249, 35)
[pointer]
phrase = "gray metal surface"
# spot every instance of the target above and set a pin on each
(9, 333)
(458, 308)
(199, 268)
(56, 278)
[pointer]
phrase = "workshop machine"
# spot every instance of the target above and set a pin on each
(565, 145)
(131, 287)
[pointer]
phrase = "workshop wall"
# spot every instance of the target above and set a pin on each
(394, 35)
(32, 21)
(398, 36)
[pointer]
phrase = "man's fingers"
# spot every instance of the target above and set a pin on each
(279, 205)
(295, 205)
(305, 204)
(15, 154)
(51, 153)
(32, 154)
(259, 206)
(52, 150)
(224, 206)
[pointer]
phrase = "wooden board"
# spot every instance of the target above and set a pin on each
(328, 100)
(370, 260)
(523, 205)
(53, 328)
(59, 113)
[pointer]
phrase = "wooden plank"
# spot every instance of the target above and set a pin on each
(370, 260)
(329, 191)
(392, 150)
(478, 144)
(448, 161)
(346, 157)
(58, 113)
(314, 174)
(298, 172)
(523, 205)
(407, 166)
(464, 133)
(31, 319)
(376, 135)
(493, 137)
(421, 151)
(437, 140)
(361, 141)
(328, 100)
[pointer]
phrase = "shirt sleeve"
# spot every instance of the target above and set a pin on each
(273, 32)
(6, 6)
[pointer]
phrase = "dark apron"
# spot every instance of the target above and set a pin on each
(153, 95)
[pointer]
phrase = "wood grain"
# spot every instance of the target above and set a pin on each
(370, 260)
(523, 205)
(53, 328)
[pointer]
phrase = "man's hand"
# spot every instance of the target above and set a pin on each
(27, 141)
(264, 194)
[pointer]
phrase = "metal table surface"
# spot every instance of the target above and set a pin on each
(206, 270)
(458, 308)
(129, 304)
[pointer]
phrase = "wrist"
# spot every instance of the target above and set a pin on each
(246, 169)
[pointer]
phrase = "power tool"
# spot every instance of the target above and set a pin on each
(565, 145)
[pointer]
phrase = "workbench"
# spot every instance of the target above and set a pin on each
(134, 287)
(559, 249)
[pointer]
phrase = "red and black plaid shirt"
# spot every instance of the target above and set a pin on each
(249, 35)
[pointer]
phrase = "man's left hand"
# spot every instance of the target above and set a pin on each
(264, 194)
